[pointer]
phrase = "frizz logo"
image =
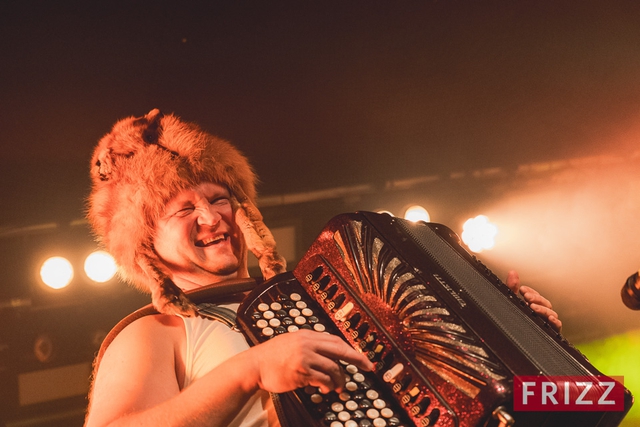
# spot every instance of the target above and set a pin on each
(568, 393)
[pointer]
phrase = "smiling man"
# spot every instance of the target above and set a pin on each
(175, 207)
(197, 239)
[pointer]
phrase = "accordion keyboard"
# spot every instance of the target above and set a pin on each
(365, 401)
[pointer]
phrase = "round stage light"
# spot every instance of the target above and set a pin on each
(56, 272)
(479, 234)
(417, 213)
(100, 266)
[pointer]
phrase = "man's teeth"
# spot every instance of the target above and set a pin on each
(212, 240)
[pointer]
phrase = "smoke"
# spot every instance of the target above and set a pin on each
(575, 237)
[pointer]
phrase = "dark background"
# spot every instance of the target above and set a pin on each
(527, 111)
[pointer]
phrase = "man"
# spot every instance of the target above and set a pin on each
(175, 207)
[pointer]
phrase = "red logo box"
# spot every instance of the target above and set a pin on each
(568, 393)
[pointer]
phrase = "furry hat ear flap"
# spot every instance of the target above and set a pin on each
(137, 168)
(259, 240)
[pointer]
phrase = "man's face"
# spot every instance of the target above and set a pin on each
(198, 239)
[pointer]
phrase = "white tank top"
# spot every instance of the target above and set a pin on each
(210, 343)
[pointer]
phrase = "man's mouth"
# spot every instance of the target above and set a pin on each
(210, 241)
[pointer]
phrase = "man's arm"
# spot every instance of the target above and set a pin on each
(137, 382)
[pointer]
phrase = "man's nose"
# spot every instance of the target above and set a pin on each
(207, 215)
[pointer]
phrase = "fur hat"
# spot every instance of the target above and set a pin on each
(137, 168)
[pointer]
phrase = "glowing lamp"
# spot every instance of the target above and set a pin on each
(56, 272)
(417, 213)
(479, 234)
(100, 266)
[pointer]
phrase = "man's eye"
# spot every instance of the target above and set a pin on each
(220, 201)
(183, 212)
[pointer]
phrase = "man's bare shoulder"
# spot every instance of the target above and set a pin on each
(141, 358)
(152, 330)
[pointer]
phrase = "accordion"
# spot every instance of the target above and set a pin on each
(446, 336)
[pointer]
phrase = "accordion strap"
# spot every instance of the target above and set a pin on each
(227, 291)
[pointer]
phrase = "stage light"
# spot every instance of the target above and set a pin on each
(56, 272)
(100, 266)
(417, 213)
(479, 234)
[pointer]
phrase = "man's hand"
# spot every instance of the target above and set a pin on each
(536, 302)
(305, 358)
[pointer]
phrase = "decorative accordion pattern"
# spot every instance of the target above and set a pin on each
(406, 312)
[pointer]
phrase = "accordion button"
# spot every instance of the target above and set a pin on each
(267, 332)
(344, 416)
(268, 314)
(379, 422)
(358, 377)
(286, 321)
(344, 311)
(316, 398)
(262, 323)
(274, 323)
(351, 423)
(351, 386)
(358, 396)
(352, 369)
(331, 291)
(373, 413)
(263, 306)
(329, 417)
(324, 282)
(292, 328)
(362, 329)
(301, 305)
(295, 297)
(423, 405)
(379, 403)
(313, 276)
(394, 422)
(275, 306)
(393, 373)
(372, 394)
(319, 327)
(365, 404)
(353, 321)
(386, 412)
(405, 382)
(337, 407)
(358, 415)
(351, 405)
(339, 300)
(434, 415)
(294, 312)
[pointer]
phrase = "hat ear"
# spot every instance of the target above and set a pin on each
(151, 126)
(104, 164)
